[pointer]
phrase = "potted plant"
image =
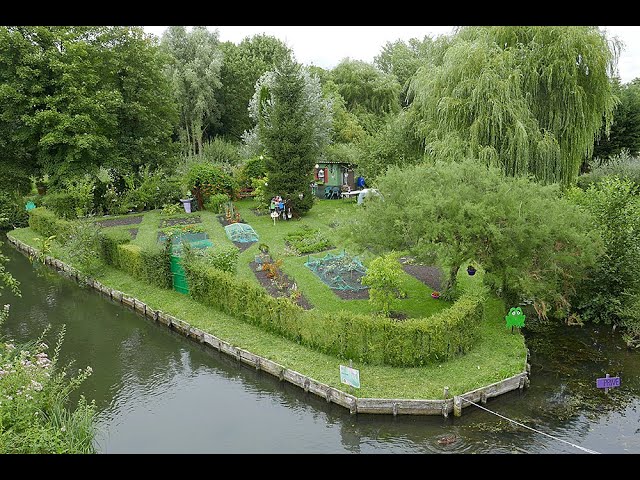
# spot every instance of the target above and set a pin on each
(41, 186)
(435, 294)
(186, 202)
(471, 270)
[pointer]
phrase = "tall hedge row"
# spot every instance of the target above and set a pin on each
(364, 338)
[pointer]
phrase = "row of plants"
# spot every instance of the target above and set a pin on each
(307, 240)
(108, 193)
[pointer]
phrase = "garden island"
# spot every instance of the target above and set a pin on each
(384, 216)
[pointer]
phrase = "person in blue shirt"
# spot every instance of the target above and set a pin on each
(360, 182)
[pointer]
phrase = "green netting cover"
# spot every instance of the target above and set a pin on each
(241, 232)
(339, 272)
(196, 240)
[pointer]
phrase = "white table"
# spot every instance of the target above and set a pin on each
(350, 194)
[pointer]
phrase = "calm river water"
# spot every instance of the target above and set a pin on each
(159, 392)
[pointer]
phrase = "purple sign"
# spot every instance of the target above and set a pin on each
(608, 382)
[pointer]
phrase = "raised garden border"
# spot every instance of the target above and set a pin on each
(354, 404)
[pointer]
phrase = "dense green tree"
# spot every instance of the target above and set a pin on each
(194, 72)
(395, 143)
(76, 98)
(403, 59)
(625, 130)
(346, 126)
(528, 99)
(294, 127)
(532, 243)
(243, 65)
(614, 283)
(365, 87)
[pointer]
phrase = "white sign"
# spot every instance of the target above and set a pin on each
(350, 376)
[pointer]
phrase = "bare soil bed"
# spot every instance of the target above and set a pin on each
(429, 275)
(114, 222)
(274, 290)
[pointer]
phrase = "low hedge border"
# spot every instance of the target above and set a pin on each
(367, 338)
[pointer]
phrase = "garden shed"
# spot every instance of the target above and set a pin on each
(334, 174)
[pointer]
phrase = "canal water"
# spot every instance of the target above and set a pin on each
(158, 392)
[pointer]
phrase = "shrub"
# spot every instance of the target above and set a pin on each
(220, 151)
(252, 168)
(384, 276)
(46, 223)
(206, 179)
(34, 393)
(622, 165)
(63, 204)
(12, 211)
(171, 209)
(157, 190)
(83, 245)
(115, 202)
(216, 202)
(223, 258)
(73, 199)
(613, 282)
(260, 190)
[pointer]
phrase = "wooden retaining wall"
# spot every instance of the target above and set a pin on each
(400, 406)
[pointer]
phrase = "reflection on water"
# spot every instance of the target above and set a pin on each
(159, 392)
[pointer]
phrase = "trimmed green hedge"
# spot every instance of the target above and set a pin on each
(149, 265)
(47, 223)
(364, 338)
(109, 243)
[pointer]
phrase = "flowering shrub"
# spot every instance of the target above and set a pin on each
(33, 394)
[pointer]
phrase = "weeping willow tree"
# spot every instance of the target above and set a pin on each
(526, 99)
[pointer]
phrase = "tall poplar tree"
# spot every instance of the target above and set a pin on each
(194, 72)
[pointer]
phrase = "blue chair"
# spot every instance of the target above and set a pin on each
(327, 192)
(335, 193)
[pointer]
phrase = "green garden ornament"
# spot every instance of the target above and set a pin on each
(29, 206)
(515, 318)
